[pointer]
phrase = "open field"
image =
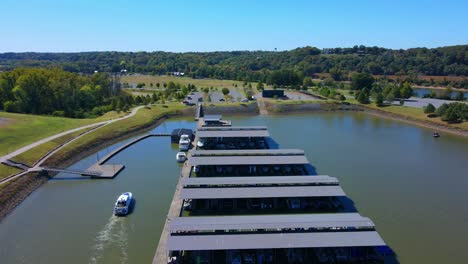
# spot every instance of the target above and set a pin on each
(22, 129)
(7, 171)
(421, 77)
(143, 118)
(200, 83)
(416, 113)
(31, 156)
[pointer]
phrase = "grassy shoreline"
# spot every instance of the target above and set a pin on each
(20, 130)
(414, 118)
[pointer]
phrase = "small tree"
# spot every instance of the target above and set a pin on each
(225, 91)
(390, 97)
(429, 109)
(406, 91)
(260, 86)
(379, 99)
(460, 96)
(455, 113)
(442, 109)
(308, 82)
(363, 97)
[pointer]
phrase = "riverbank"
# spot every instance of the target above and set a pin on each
(330, 106)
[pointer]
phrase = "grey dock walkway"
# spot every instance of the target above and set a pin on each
(99, 169)
(174, 211)
(111, 170)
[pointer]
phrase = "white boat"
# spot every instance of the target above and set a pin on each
(201, 143)
(181, 156)
(122, 205)
(184, 142)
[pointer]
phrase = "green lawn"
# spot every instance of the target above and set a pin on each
(7, 171)
(144, 117)
(18, 130)
(31, 156)
(147, 79)
(412, 112)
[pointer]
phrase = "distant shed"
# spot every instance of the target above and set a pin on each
(176, 133)
(272, 93)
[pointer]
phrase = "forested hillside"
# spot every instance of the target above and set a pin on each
(285, 67)
(55, 92)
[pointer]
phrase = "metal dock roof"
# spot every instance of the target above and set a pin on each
(248, 152)
(305, 179)
(232, 133)
(210, 223)
(212, 117)
(261, 192)
(232, 128)
(282, 240)
(247, 160)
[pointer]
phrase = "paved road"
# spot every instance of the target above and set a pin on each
(37, 143)
(422, 102)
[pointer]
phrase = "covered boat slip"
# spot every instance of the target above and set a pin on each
(248, 160)
(248, 152)
(256, 181)
(261, 192)
(232, 133)
(232, 128)
(274, 241)
(272, 222)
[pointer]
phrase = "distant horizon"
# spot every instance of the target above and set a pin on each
(209, 51)
(208, 25)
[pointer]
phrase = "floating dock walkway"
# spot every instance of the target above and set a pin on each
(99, 169)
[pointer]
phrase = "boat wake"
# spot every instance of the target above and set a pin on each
(111, 242)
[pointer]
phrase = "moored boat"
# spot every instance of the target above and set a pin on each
(122, 205)
(184, 142)
(436, 134)
(181, 156)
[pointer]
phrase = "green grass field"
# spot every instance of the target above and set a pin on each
(412, 112)
(31, 156)
(200, 83)
(144, 117)
(7, 171)
(18, 130)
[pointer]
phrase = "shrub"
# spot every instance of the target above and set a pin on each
(442, 109)
(430, 108)
(11, 106)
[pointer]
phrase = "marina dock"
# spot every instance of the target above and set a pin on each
(242, 196)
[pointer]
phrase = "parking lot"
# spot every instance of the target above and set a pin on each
(215, 97)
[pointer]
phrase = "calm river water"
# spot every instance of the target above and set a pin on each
(413, 186)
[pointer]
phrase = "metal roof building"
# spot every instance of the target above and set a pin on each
(232, 134)
(248, 152)
(273, 222)
(261, 180)
(232, 128)
(261, 192)
(273, 241)
(247, 160)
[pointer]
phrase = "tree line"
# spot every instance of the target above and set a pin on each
(283, 68)
(56, 92)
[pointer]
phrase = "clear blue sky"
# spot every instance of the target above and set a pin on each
(152, 25)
